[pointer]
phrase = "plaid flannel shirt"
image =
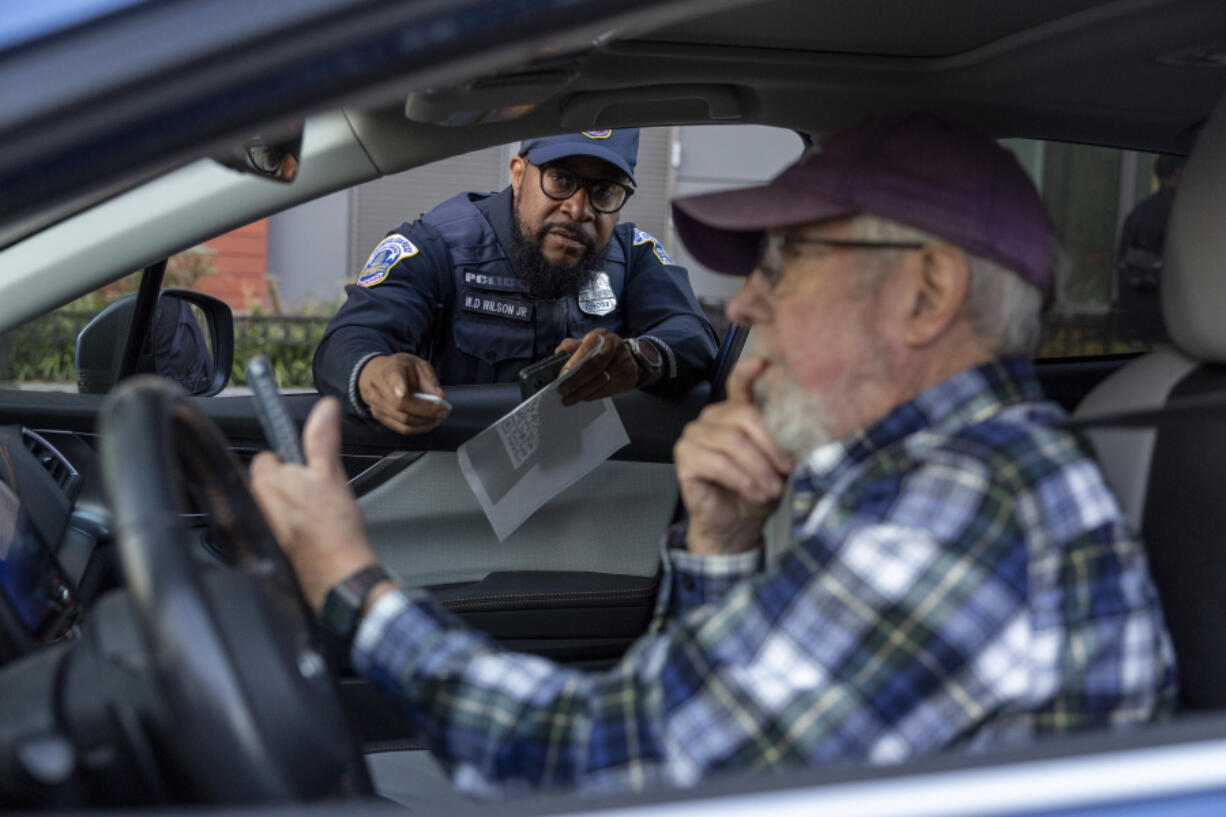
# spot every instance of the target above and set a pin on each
(960, 576)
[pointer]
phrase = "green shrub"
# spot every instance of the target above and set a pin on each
(289, 343)
(43, 349)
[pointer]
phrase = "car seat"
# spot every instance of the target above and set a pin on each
(1170, 476)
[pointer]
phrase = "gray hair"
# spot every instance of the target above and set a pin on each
(1004, 309)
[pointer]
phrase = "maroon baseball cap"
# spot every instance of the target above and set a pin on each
(917, 169)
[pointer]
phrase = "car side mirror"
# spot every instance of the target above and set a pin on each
(190, 341)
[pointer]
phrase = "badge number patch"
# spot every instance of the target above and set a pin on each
(388, 254)
(597, 298)
(484, 303)
(643, 237)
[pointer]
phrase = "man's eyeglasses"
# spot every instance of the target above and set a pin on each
(774, 246)
(560, 183)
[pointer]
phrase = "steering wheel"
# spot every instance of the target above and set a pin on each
(252, 712)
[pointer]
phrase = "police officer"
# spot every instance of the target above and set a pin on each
(1139, 258)
(485, 284)
(179, 349)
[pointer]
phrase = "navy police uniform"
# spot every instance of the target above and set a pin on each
(443, 288)
(1138, 267)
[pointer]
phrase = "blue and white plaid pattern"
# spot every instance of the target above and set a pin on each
(961, 576)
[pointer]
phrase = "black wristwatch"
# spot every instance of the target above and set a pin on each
(343, 605)
(647, 357)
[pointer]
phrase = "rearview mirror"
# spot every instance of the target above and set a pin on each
(275, 159)
(190, 341)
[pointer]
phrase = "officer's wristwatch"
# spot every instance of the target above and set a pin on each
(648, 358)
(342, 611)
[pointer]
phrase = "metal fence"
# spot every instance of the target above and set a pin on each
(289, 341)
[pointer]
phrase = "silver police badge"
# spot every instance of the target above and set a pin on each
(596, 297)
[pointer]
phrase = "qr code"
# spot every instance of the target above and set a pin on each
(521, 432)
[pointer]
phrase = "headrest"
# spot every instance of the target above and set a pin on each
(1193, 279)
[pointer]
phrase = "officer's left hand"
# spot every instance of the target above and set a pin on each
(611, 371)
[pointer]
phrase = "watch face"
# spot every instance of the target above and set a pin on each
(648, 353)
(343, 605)
(339, 615)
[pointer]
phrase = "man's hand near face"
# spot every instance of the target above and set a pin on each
(611, 371)
(731, 472)
(311, 510)
(387, 384)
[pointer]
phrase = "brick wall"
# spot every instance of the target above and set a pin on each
(240, 259)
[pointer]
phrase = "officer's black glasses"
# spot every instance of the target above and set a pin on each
(559, 183)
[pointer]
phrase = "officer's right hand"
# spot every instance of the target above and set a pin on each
(386, 385)
(730, 470)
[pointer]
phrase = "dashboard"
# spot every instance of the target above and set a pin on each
(57, 532)
(39, 594)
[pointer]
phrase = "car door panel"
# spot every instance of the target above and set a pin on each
(576, 582)
(426, 525)
(577, 615)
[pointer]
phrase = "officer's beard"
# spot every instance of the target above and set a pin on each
(542, 277)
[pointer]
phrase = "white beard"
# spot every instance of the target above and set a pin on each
(798, 420)
(801, 421)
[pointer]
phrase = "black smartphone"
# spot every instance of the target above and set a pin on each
(536, 376)
(278, 427)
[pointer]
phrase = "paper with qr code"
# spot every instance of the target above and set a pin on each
(536, 451)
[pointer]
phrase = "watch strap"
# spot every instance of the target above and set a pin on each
(342, 610)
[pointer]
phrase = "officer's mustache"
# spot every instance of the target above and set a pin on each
(566, 230)
(542, 277)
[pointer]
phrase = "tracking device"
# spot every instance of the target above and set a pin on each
(536, 376)
(278, 427)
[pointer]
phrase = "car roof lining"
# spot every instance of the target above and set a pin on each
(1095, 75)
(915, 28)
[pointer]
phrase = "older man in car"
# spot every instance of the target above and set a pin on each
(959, 574)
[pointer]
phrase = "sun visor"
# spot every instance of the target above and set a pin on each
(487, 100)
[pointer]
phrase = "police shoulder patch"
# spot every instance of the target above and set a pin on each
(642, 237)
(390, 252)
